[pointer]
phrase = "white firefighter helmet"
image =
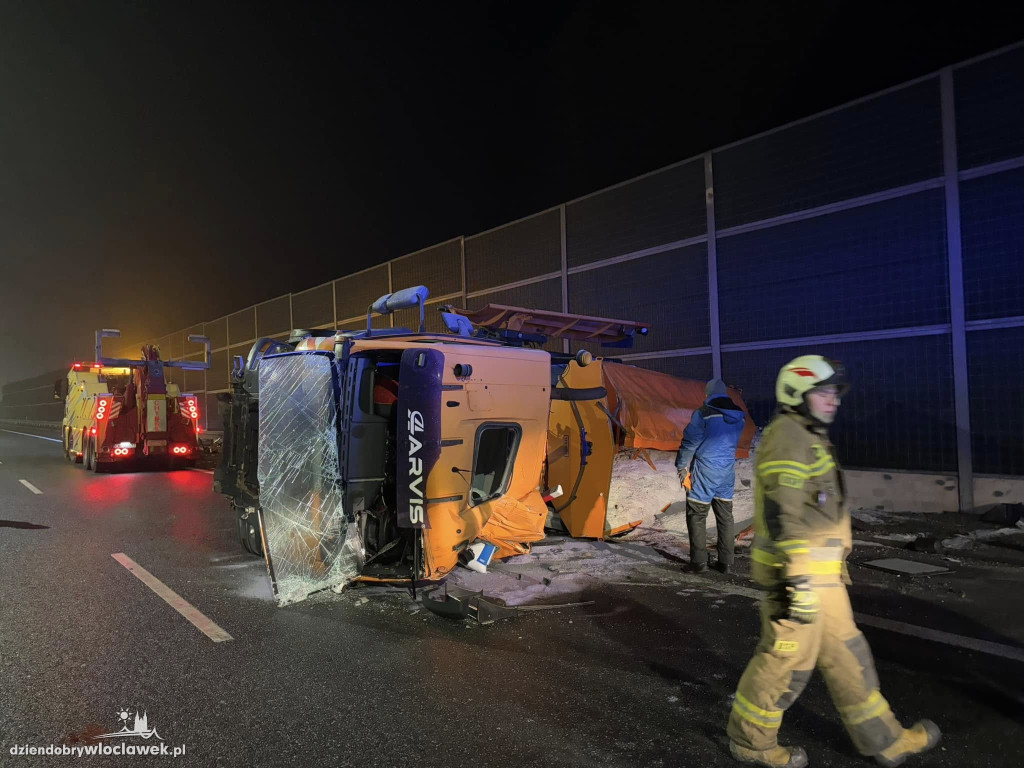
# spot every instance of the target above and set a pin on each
(800, 376)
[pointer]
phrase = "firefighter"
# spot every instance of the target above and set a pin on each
(802, 537)
(710, 440)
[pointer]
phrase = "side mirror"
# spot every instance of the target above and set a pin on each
(60, 389)
(407, 298)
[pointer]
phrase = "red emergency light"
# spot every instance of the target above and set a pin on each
(102, 405)
(180, 450)
(77, 366)
(92, 431)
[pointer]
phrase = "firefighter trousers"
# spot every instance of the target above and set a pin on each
(784, 661)
(697, 530)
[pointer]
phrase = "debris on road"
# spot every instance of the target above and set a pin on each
(906, 567)
(452, 602)
(1003, 514)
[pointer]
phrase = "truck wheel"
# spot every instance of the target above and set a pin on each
(67, 445)
(88, 455)
(249, 535)
(95, 458)
(243, 537)
(255, 543)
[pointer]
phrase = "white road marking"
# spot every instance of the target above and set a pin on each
(38, 437)
(938, 636)
(902, 628)
(31, 487)
(207, 471)
(173, 599)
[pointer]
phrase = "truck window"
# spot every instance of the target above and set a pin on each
(496, 446)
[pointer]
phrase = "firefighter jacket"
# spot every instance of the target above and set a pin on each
(710, 440)
(801, 522)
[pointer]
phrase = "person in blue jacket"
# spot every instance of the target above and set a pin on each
(710, 441)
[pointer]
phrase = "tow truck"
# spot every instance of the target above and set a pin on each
(120, 410)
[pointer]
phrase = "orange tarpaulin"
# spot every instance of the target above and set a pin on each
(654, 408)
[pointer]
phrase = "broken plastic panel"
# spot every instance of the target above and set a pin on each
(309, 544)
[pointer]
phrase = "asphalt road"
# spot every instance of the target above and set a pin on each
(642, 677)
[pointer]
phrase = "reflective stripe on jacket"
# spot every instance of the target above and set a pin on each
(801, 523)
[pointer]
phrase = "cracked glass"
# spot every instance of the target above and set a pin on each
(310, 545)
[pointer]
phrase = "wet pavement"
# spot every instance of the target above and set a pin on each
(642, 676)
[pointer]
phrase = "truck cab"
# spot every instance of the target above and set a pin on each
(385, 455)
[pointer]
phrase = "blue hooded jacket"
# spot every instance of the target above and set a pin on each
(710, 441)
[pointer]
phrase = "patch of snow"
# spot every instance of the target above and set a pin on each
(560, 570)
(866, 516)
(904, 537)
(966, 541)
(653, 497)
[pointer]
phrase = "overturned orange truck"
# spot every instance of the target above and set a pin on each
(387, 455)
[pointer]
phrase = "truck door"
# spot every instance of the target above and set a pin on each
(308, 543)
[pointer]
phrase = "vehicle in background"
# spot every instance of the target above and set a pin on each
(120, 410)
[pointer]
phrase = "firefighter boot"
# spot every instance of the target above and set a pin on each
(776, 757)
(921, 737)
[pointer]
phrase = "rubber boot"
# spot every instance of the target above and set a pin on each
(777, 757)
(920, 737)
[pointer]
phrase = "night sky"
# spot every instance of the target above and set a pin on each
(163, 163)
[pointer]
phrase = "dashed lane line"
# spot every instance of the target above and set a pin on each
(31, 487)
(173, 599)
(912, 630)
(38, 437)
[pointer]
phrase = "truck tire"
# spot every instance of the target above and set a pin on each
(95, 458)
(243, 536)
(67, 445)
(249, 535)
(88, 455)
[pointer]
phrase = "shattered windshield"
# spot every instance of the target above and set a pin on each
(309, 544)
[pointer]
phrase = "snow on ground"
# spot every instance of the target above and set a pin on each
(902, 537)
(966, 541)
(884, 517)
(870, 517)
(655, 498)
(561, 568)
